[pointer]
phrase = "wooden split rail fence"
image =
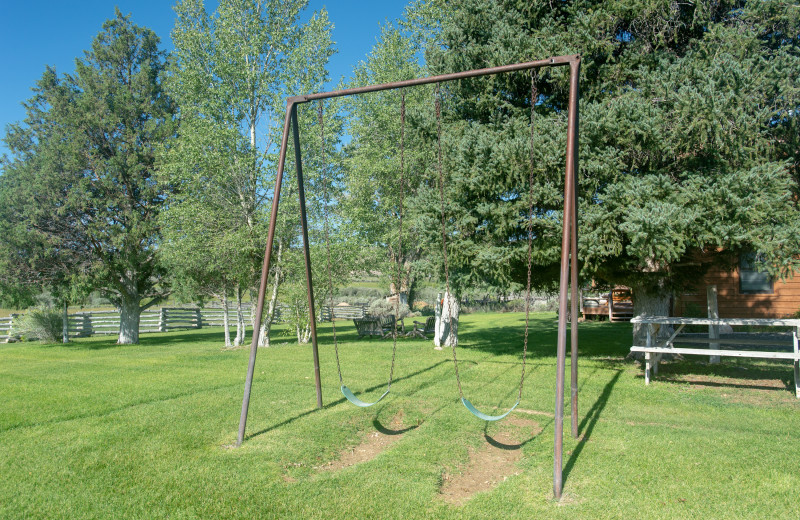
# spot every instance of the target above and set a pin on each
(6, 327)
(166, 319)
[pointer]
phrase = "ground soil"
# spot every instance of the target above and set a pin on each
(371, 446)
(491, 464)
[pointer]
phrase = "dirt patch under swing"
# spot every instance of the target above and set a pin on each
(372, 445)
(491, 464)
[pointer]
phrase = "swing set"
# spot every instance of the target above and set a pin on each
(569, 243)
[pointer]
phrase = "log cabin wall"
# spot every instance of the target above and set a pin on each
(784, 301)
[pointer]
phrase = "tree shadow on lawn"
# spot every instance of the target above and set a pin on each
(737, 373)
(109, 341)
(594, 339)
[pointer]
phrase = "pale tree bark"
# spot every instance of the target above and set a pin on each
(266, 324)
(304, 335)
(65, 323)
(447, 322)
(240, 327)
(226, 326)
(129, 313)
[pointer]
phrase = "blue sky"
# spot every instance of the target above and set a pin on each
(34, 34)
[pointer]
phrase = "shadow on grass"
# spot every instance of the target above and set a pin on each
(388, 431)
(732, 374)
(588, 423)
(511, 447)
(595, 339)
(340, 401)
(145, 340)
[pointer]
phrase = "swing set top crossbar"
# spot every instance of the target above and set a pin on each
(549, 62)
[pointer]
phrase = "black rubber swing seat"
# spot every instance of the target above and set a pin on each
(358, 402)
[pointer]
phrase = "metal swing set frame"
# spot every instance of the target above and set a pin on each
(569, 241)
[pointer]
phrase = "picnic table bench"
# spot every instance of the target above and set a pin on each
(654, 350)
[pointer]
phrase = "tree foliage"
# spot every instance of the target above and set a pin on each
(82, 175)
(688, 138)
(232, 71)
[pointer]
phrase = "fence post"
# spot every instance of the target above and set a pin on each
(87, 324)
(713, 312)
(198, 317)
(162, 320)
(11, 327)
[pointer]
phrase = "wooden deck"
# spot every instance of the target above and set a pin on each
(620, 308)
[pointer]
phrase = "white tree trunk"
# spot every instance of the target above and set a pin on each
(266, 325)
(240, 327)
(65, 323)
(129, 313)
(437, 331)
(447, 321)
(226, 325)
(649, 303)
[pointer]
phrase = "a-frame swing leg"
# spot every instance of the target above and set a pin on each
(312, 320)
(575, 298)
(262, 289)
(291, 112)
(568, 233)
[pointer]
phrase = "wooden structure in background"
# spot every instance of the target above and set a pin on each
(616, 305)
(782, 301)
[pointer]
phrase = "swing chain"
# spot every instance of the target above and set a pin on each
(326, 200)
(448, 295)
(534, 97)
(400, 233)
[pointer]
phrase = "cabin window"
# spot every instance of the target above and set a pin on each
(752, 281)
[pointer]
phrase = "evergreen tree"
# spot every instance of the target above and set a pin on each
(688, 138)
(83, 168)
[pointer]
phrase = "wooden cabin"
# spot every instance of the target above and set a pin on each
(742, 293)
(616, 305)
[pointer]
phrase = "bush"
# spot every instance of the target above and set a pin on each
(40, 324)
(386, 308)
(360, 293)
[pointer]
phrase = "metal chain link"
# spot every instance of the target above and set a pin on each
(448, 295)
(400, 234)
(534, 97)
(326, 199)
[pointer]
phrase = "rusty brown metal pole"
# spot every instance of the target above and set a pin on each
(262, 289)
(573, 109)
(555, 61)
(569, 200)
(301, 192)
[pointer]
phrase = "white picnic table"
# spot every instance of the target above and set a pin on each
(654, 349)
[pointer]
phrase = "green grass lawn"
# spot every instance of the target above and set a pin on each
(96, 430)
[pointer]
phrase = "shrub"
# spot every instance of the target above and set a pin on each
(384, 307)
(40, 324)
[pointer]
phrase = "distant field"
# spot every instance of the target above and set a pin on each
(97, 430)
